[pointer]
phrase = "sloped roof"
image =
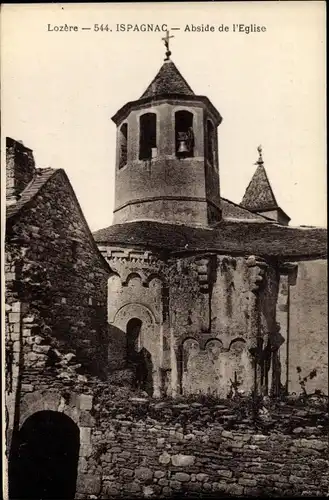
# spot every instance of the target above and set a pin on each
(168, 81)
(39, 181)
(233, 237)
(259, 195)
(42, 175)
(233, 211)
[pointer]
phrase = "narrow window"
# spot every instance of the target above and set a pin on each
(74, 249)
(210, 142)
(134, 326)
(123, 145)
(184, 134)
(148, 140)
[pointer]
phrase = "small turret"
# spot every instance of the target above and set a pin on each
(259, 196)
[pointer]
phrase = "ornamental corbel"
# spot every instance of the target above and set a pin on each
(257, 269)
(204, 270)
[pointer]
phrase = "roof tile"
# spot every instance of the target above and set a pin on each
(259, 195)
(234, 237)
(233, 211)
(168, 81)
(42, 175)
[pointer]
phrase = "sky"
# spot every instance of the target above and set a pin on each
(60, 89)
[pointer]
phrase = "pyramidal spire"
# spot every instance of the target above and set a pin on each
(259, 195)
(168, 80)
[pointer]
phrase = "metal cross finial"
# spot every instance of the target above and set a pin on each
(166, 42)
(260, 155)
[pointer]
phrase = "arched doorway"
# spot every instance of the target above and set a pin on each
(44, 459)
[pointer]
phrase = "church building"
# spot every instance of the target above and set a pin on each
(208, 296)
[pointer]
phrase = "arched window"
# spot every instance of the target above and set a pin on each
(148, 136)
(123, 145)
(184, 134)
(210, 142)
(134, 326)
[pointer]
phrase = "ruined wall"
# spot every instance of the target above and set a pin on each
(20, 168)
(135, 447)
(200, 453)
(42, 393)
(53, 267)
(308, 336)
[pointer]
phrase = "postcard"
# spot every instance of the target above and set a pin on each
(164, 250)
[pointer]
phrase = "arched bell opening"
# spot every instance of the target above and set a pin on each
(123, 145)
(210, 152)
(184, 134)
(148, 136)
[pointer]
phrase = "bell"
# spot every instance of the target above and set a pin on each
(182, 143)
(182, 147)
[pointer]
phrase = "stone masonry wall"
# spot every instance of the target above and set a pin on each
(199, 318)
(135, 446)
(144, 449)
(308, 338)
(20, 168)
(53, 267)
(178, 186)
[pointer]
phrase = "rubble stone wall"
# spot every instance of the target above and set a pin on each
(134, 446)
(20, 167)
(53, 265)
(190, 448)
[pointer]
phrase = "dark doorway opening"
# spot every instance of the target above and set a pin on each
(44, 459)
(139, 360)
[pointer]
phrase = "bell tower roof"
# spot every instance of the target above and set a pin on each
(168, 80)
(167, 84)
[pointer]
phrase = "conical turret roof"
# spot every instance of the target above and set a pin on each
(167, 83)
(168, 80)
(259, 195)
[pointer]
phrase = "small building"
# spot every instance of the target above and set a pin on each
(56, 309)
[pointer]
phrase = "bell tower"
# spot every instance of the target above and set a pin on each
(167, 154)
